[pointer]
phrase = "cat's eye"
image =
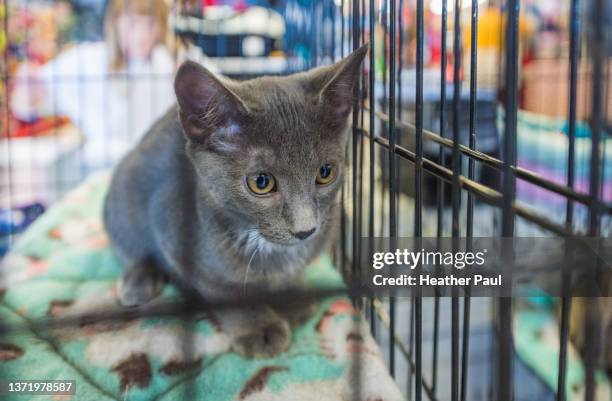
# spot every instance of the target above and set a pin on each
(261, 183)
(327, 174)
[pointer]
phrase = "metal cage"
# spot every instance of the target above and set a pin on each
(396, 155)
(378, 125)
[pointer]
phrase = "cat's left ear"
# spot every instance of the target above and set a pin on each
(334, 85)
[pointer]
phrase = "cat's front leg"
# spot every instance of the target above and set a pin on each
(139, 283)
(257, 332)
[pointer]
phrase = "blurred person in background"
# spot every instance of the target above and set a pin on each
(112, 90)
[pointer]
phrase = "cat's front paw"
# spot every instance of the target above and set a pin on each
(266, 342)
(138, 285)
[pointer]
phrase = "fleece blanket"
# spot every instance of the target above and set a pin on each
(62, 266)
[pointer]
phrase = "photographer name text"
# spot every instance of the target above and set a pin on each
(429, 280)
(443, 262)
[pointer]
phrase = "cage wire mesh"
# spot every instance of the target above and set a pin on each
(439, 153)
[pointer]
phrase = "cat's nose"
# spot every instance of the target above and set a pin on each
(304, 234)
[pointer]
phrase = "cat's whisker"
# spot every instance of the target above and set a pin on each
(249, 240)
(246, 273)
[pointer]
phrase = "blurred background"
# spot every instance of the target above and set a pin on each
(82, 80)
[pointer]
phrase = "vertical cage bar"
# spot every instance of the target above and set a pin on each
(392, 172)
(398, 96)
(566, 301)
(456, 194)
(436, 331)
(472, 118)
(355, 146)
(400, 59)
(505, 355)
(384, 17)
(597, 123)
(384, 159)
(456, 159)
(343, 227)
(455, 348)
(372, 147)
(440, 192)
(465, 348)
(359, 102)
(512, 56)
(417, 345)
(469, 228)
(411, 370)
(384, 106)
(564, 335)
(574, 24)
(362, 24)
(418, 165)
(418, 201)
(593, 324)
(343, 190)
(356, 196)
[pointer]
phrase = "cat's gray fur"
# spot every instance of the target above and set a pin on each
(178, 202)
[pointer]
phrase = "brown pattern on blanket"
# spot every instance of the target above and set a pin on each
(136, 370)
(9, 352)
(56, 307)
(178, 367)
(259, 379)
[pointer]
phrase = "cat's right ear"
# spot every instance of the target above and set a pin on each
(206, 104)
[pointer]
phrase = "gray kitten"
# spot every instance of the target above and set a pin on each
(234, 190)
